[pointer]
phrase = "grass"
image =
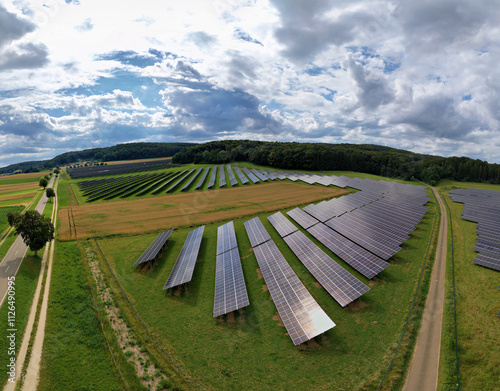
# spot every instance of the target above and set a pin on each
(74, 354)
(227, 353)
(3, 215)
(476, 308)
(26, 280)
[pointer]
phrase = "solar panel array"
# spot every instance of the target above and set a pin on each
(226, 238)
(250, 175)
(232, 179)
(362, 260)
(230, 290)
(482, 207)
(256, 232)
(202, 179)
(153, 250)
(244, 180)
(186, 261)
(188, 183)
(303, 318)
(171, 188)
(281, 224)
(211, 182)
(338, 282)
(302, 218)
(261, 174)
(222, 176)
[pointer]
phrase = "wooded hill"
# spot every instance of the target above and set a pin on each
(371, 159)
(132, 151)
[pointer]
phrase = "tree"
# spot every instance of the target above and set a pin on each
(35, 230)
(13, 218)
(43, 182)
(49, 192)
(57, 171)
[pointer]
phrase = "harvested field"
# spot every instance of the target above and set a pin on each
(18, 187)
(186, 210)
(17, 196)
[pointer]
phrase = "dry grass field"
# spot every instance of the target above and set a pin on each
(185, 210)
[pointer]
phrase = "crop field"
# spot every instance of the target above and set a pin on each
(185, 210)
(477, 305)
(250, 349)
(18, 189)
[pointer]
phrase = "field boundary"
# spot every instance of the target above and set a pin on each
(180, 371)
(431, 240)
(454, 296)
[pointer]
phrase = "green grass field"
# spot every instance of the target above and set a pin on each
(74, 353)
(477, 304)
(250, 350)
(25, 285)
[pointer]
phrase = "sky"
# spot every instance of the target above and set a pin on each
(417, 75)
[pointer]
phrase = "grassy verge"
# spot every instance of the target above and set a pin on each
(26, 280)
(74, 354)
(228, 352)
(476, 308)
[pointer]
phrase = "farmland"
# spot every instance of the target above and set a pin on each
(194, 208)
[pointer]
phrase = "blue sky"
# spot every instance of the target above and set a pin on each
(417, 75)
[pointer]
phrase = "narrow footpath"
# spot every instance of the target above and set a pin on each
(423, 372)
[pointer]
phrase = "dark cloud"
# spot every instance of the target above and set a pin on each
(25, 56)
(240, 34)
(202, 39)
(12, 27)
(242, 67)
(432, 25)
(306, 32)
(87, 25)
(373, 90)
(438, 117)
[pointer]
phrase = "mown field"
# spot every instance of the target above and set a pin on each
(249, 349)
(189, 209)
(477, 305)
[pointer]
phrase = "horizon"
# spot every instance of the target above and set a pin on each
(77, 74)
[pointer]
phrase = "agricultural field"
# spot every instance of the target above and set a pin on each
(19, 190)
(477, 305)
(189, 209)
(227, 352)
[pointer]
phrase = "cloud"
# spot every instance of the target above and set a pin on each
(85, 26)
(240, 34)
(24, 56)
(373, 89)
(202, 39)
(12, 27)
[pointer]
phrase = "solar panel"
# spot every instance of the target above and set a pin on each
(282, 224)
(244, 180)
(188, 183)
(302, 218)
(226, 238)
(303, 318)
(337, 281)
(250, 175)
(357, 257)
(152, 251)
(260, 174)
(256, 232)
(222, 177)
(232, 179)
(171, 188)
(186, 261)
(488, 259)
(211, 182)
(202, 179)
(230, 289)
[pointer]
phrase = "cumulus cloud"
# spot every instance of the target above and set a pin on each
(12, 27)
(24, 56)
(87, 25)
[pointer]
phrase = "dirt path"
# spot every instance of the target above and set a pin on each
(423, 373)
(23, 350)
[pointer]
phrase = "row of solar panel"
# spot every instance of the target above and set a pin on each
(482, 207)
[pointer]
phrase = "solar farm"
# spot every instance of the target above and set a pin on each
(304, 277)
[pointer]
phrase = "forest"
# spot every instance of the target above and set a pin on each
(131, 151)
(371, 159)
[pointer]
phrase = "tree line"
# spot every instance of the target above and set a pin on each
(370, 159)
(132, 151)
